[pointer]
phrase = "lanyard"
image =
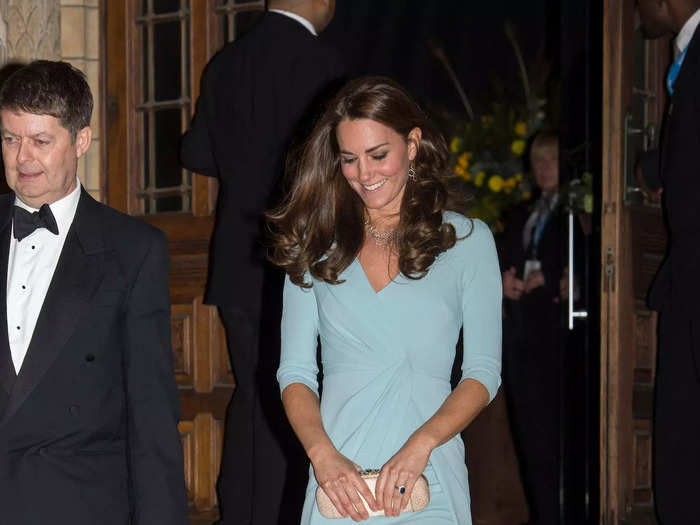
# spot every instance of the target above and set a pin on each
(674, 70)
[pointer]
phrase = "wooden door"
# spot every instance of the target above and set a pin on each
(155, 51)
(633, 243)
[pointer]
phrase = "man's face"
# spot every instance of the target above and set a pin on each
(545, 165)
(40, 157)
(655, 18)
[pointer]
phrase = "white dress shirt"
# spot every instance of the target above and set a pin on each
(685, 35)
(30, 268)
(303, 21)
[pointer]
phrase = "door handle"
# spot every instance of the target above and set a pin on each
(573, 314)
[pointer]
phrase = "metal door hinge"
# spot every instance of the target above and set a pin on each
(610, 269)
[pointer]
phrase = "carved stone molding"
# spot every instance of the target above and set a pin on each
(29, 29)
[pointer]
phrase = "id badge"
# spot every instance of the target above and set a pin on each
(531, 265)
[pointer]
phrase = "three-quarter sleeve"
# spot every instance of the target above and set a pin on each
(299, 333)
(481, 307)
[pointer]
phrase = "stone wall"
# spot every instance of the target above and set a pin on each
(59, 30)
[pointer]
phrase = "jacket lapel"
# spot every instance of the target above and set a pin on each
(77, 277)
(7, 373)
(684, 81)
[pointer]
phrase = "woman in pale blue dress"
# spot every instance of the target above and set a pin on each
(385, 276)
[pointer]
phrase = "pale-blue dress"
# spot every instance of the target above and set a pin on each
(387, 359)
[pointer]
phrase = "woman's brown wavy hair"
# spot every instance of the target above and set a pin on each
(319, 227)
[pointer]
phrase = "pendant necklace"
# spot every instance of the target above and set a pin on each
(380, 237)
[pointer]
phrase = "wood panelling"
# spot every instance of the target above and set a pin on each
(633, 243)
(202, 368)
(183, 344)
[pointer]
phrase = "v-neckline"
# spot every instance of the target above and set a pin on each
(369, 282)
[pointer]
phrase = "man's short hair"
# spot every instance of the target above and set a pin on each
(545, 141)
(45, 87)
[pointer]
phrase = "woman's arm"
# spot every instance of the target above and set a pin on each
(481, 367)
(403, 469)
(336, 474)
(297, 375)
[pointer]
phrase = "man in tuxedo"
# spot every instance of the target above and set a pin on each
(257, 95)
(88, 403)
(676, 289)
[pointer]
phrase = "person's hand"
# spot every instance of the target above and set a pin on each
(512, 286)
(340, 480)
(402, 470)
(564, 284)
(535, 279)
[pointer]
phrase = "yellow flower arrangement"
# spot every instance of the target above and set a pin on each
(486, 120)
(518, 147)
(491, 144)
(496, 183)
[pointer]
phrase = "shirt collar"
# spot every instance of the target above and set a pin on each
(685, 35)
(303, 21)
(549, 201)
(63, 209)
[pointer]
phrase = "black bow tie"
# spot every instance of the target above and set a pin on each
(26, 222)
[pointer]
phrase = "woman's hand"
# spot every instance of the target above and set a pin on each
(402, 470)
(564, 284)
(535, 279)
(512, 286)
(340, 480)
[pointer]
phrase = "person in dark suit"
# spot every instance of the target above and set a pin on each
(535, 284)
(88, 403)
(255, 95)
(676, 288)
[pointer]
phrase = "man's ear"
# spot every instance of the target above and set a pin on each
(413, 142)
(82, 141)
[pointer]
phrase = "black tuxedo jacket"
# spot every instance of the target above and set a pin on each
(677, 284)
(255, 95)
(88, 432)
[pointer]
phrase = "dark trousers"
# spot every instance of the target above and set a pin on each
(532, 350)
(677, 421)
(263, 468)
(536, 427)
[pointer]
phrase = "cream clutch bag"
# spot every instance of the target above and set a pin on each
(420, 497)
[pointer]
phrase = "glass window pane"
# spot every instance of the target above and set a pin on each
(186, 87)
(170, 203)
(165, 6)
(166, 55)
(168, 131)
(238, 24)
(146, 170)
(144, 62)
(225, 3)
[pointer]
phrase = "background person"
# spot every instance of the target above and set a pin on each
(676, 287)
(254, 96)
(535, 287)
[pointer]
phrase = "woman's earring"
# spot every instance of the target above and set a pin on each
(412, 172)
